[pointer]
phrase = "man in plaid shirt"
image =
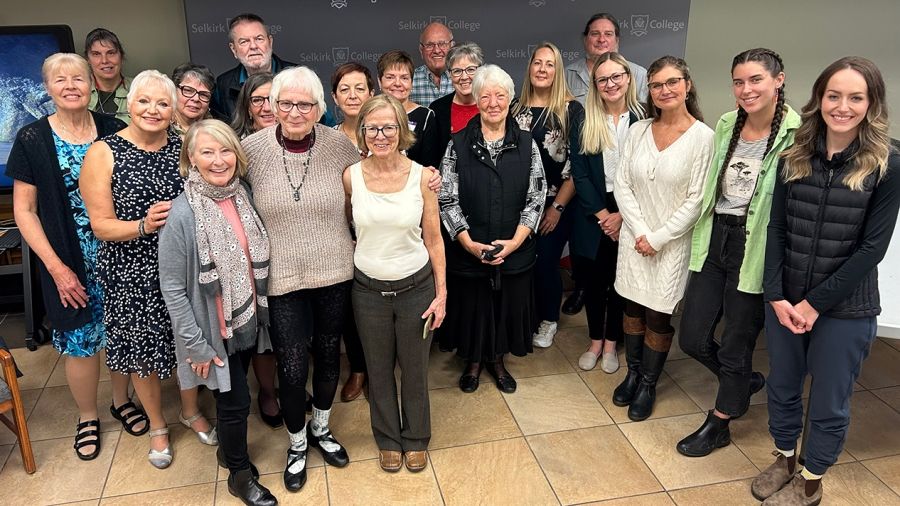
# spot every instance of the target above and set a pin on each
(432, 80)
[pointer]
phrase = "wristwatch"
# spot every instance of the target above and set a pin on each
(559, 207)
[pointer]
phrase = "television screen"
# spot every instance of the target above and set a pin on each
(22, 96)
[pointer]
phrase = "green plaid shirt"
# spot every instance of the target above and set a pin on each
(424, 92)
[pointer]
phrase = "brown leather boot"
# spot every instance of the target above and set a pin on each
(353, 387)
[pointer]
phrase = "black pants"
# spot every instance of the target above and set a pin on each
(232, 410)
(712, 294)
(547, 280)
(603, 305)
(297, 316)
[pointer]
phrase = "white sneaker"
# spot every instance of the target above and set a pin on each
(543, 338)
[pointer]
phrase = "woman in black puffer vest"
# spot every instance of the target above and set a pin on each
(834, 210)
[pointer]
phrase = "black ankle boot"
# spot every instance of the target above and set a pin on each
(652, 362)
(634, 346)
(714, 433)
(244, 486)
(220, 459)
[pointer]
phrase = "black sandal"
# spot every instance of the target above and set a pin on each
(81, 439)
(130, 415)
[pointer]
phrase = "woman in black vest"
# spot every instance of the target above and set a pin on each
(834, 210)
(491, 201)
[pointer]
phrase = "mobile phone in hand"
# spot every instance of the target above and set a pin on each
(427, 327)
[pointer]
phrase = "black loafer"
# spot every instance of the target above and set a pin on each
(505, 382)
(294, 481)
(337, 458)
(273, 421)
(243, 485)
(468, 383)
(574, 302)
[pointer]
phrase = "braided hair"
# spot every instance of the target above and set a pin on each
(771, 61)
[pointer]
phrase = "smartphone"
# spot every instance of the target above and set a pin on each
(489, 255)
(427, 327)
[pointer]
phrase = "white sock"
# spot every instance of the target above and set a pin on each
(786, 453)
(298, 443)
(318, 425)
(807, 475)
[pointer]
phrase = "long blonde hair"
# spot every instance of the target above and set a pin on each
(556, 117)
(595, 134)
(874, 140)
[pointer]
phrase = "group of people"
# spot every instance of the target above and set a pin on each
(181, 243)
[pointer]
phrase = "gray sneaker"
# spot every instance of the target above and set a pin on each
(794, 494)
(772, 479)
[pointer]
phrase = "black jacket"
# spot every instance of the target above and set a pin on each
(441, 108)
(33, 160)
(229, 84)
(825, 240)
(492, 196)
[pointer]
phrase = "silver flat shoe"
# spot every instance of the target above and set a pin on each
(207, 438)
(160, 459)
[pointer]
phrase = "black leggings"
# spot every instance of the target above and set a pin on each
(232, 409)
(660, 323)
(315, 314)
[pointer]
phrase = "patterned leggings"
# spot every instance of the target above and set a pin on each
(304, 319)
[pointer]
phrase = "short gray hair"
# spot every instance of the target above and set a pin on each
(150, 78)
(299, 78)
(468, 50)
(492, 74)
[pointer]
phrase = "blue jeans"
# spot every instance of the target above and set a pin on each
(832, 353)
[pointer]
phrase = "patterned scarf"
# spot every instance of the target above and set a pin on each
(224, 267)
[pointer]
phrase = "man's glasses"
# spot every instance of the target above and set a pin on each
(441, 44)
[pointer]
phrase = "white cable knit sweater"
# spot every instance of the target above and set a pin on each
(310, 240)
(659, 195)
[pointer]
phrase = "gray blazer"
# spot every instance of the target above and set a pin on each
(195, 321)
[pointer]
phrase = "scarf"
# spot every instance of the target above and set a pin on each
(224, 266)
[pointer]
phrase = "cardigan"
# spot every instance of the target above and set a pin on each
(310, 238)
(195, 318)
(750, 278)
(33, 160)
(659, 193)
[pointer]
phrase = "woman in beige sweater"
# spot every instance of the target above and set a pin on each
(295, 172)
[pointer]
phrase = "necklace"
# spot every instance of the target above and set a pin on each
(305, 163)
(78, 139)
(101, 104)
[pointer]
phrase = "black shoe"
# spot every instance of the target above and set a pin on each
(641, 406)
(634, 348)
(273, 421)
(468, 382)
(244, 486)
(714, 433)
(294, 481)
(220, 459)
(652, 363)
(505, 382)
(574, 302)
(337, 458)
(87, 438)
(757, 382)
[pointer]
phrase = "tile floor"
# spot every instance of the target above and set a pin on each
(558, 440)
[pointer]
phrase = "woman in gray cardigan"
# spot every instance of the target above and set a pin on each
(214, 267)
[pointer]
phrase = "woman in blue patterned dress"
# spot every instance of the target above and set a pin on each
(45, 163)
(128, 182)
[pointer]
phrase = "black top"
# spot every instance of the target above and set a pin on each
(552, 143)
(426, 150)
(33, 160)
(228, 86)
(441, 108)
(825, 240)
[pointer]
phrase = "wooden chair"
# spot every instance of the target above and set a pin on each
(11, 400)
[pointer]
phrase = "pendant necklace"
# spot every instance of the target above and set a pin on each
(305, 163)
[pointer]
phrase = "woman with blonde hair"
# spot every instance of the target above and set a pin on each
(547, 110)
(611, 107)
(833, 214)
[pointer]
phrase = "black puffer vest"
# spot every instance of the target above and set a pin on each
(492, 196)
(825, 222)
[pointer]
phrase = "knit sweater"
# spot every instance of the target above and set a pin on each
(659, 195)
(309, 238)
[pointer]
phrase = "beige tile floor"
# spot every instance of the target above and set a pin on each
(558, 440)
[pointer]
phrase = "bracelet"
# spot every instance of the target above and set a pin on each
(559, 207)
(141, 232)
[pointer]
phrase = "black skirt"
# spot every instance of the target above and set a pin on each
(483, 323)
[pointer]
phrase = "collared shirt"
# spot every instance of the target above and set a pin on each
(610, 154)
(579, 81)
(120, 97)
(424, 92)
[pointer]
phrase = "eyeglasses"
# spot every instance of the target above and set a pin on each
(287, 105)
(258, 101)
(389, 131)
(470, 71)
(191, 92)
(669, 84)
(442, 44)
(616, 78)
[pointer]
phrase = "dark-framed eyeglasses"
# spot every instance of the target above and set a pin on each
(389, 131)
(258, 101)
(287, 105)
(669, 84)
(616, 78)
(191, 92)
(470, 71)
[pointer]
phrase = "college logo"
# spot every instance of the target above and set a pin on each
(537, 3)
(531, 49)
(438, 19)
(639, 24)
(339, 4)
(340, 55)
